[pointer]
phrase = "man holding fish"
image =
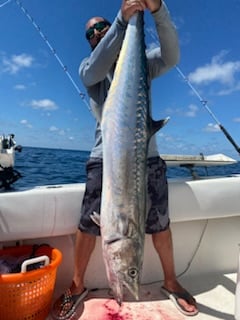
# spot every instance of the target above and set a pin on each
(118, 144)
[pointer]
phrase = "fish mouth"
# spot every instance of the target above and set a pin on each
(118, 291)
(133, 289)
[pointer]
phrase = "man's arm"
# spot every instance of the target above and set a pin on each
(162, 59)
(95, 68)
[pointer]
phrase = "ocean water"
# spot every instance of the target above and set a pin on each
(42, 166)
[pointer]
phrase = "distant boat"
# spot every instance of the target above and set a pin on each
(8, 174)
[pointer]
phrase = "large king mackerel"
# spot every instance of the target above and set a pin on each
(126, 129)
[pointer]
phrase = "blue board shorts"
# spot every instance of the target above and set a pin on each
(157, 201)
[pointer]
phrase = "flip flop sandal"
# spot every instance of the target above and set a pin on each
(66, 305)
(174, 296)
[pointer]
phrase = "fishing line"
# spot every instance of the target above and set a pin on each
(64, 67)
(3, 4)
(195, 251)
(191, 258)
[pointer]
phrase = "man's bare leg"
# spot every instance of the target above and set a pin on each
(163, 244)
(84, 246)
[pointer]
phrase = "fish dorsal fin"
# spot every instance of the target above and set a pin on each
(157, 125)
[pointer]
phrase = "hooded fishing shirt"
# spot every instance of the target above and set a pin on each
(96, 71)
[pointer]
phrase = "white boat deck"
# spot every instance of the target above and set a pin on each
(215, 294)
(213, 288)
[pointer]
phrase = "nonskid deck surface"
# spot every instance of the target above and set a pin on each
(215, 294)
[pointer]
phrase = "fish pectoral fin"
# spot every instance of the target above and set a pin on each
(157, 125)
(125, 226)
(113, 238)
(95, 218)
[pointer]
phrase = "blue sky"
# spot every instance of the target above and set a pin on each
(43, 108)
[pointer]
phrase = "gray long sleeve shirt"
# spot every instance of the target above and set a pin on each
(97, 70)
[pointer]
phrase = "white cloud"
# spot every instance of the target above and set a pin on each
(216, 71)
(44, 104)
(61, 132)
(192, 111)
(16, 63)
(26, 123)
(212, 128)
(236, 119)
(53, 128)
(20, 87)
(229, 90)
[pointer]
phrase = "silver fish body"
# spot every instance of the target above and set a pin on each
(126, 129)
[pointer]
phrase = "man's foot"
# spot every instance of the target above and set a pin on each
(182, 299)
(66, 304)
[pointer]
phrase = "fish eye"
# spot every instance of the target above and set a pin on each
(132, 272)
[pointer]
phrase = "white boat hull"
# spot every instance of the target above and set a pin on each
(207, 209)
(205, 216)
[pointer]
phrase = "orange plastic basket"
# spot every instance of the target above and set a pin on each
(27, 296)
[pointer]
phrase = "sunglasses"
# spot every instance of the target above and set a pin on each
(99, 26)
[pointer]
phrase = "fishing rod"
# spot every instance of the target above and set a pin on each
(203, 102)
(43, 36)
(3, 4)
(205, 105)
